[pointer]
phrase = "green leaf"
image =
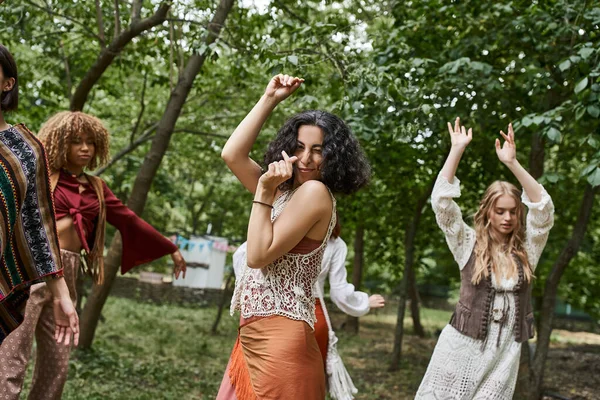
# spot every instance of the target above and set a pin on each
(526, 121)
(581, 85)
(593, 110)
(553, 134)
(565, 65)
(276, 69)
(538, 119)
(588, 170)
(293, 59)
(552, 177)
(586, 52)
(594, 177)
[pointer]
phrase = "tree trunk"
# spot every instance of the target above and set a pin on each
(226, 293)
(536, 156)
(143, 181)
(108, 54)
(399, 332)
(409, 275)
(536, 169)
(549, 302)
(357, 270)
(413, 295)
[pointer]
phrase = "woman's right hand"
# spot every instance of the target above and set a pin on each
(282, 86)
(278, 172)
(459, 136)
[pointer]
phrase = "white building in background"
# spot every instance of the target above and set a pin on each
(205, 258)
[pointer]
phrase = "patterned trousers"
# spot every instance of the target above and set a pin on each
(52, 359)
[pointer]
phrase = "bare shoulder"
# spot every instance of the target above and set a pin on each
(315, 191)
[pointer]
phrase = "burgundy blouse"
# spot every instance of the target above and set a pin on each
(141, 242)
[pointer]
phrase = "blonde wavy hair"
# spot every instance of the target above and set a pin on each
(61, 129)
(488, 249)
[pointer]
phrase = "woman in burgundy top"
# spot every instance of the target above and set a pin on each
(75, 141)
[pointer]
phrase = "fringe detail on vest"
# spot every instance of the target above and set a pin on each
(341, 386)
(94, 261)
(239, 376)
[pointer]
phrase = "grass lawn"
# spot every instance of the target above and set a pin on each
(145, 351)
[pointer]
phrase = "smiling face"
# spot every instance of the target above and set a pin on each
(81, 151)
(503, 215)
(309, 151)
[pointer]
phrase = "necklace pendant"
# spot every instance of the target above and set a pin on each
(497, 315)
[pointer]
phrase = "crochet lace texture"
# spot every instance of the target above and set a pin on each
(284, 287)
(459, 367)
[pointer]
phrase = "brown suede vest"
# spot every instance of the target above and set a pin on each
(472, 315)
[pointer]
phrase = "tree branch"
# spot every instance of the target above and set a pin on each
(67, 71)
(100, 25)
(144, 137)
(142, 109)
(117, 19)
(136, 11)
(107, 55)
(201, 133)
(54, 13)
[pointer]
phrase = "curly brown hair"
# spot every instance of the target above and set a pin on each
(61, 129)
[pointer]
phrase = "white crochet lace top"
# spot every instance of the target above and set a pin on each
(284, 287)
(461, 237)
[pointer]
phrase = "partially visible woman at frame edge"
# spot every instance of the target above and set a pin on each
(28, 238)
(477, 354)
(84, 204)
(276, 355)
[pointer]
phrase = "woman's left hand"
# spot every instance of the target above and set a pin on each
(179, 265)
(507, 154)
(376, 301)
(278, 172)
(66, 321)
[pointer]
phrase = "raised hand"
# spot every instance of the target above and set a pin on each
(278, 172)
(459, 135)
(282, 86)
(507, 154)
(66, 321)
(179, 265)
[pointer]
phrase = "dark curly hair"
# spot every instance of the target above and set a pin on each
(345, 169)
(9, 101)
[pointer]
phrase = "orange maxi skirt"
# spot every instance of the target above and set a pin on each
(274, 358)
(321, 330)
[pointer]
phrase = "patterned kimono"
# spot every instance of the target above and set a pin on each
(29, 251)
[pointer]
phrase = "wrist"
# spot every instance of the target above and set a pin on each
(458, 148)
(264, 194)
(269, 101)
(512, 163)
